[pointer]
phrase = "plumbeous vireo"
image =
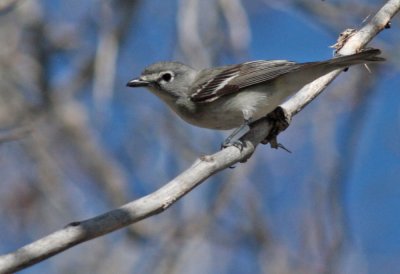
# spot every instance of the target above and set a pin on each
(231, 96)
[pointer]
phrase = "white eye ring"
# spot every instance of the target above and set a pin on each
(167, 76)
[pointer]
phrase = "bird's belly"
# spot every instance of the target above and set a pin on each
(230, 111)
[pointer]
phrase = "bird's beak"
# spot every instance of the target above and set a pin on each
(138, 83)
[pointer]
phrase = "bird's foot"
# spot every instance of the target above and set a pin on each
(236, 143)
(279, 120)
(234, 138)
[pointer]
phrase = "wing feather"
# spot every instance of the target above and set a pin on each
(231, 79)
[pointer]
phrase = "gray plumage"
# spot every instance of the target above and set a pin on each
(225, 97)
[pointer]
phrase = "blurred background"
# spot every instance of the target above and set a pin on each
(76, 142)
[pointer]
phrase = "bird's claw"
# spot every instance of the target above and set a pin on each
(279, 121)
(273, 141)
(228, 143)
(237, 143)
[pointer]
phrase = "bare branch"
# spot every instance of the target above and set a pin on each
(203, 168)
(353, 44)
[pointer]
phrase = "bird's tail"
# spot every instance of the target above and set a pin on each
(366, 56)
(308, 72)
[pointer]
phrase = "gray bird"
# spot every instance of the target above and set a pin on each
(232, 96)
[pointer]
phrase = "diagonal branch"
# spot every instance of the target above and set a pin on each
(203, 168)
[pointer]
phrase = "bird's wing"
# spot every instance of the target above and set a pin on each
(214, 83)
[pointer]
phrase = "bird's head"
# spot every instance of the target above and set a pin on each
(166, 79)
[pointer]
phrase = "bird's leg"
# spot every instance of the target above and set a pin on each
(279, 121)
(237, 134)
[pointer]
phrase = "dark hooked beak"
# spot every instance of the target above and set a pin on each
(138, 83)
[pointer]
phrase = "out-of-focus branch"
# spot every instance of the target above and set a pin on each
(14, 134)
(236, 17)
(197, 43)
(6, 5)
(106, 58)
(202, 169)
(72, 116)
(74, 123)
(339, 227)
(189, 34)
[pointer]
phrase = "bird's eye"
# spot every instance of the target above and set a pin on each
(167, 77)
